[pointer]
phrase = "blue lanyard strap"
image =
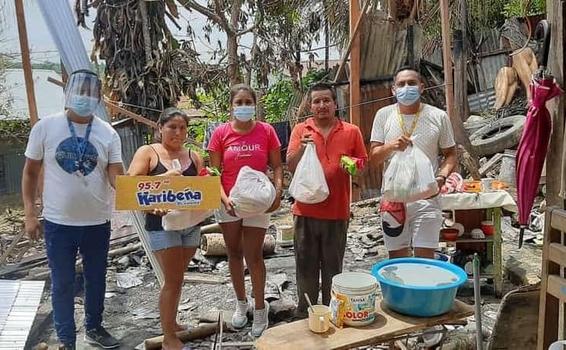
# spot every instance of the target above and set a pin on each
(80, 147)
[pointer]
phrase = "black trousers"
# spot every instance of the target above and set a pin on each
(319, 253)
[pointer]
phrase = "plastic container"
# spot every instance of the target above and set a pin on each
(449, 234)
(359, 291)
(285, 235)
(419, 287)
(319, 318)
(487, 227)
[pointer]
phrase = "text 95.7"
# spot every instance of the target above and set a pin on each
(149, 185)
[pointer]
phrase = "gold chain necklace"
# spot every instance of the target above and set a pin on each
(402, 122)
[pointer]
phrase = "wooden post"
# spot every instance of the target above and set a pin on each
(460, 77)
(355, 72)
(462, 108)
(457, 122)
(447, 61)
(355, 76)
(556, 107)
(26, 62)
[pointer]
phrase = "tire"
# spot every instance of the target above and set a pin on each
(498, 136)
(473, 126)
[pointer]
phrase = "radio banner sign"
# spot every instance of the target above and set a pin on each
(171, 192)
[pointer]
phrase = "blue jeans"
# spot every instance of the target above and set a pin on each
(62, 243)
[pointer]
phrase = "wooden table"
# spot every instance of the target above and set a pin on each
(387, 326)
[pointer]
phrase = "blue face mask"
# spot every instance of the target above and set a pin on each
(244, 113)
(82, 105)
(408, 94)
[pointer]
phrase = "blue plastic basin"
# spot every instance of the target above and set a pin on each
(420, 299)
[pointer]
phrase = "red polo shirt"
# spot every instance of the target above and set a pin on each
(344, 139)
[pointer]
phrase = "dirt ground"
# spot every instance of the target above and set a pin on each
(131, 314)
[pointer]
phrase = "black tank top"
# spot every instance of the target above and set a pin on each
(153, 222)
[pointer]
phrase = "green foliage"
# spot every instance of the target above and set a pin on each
(196, 148)
(16, 130)
(278, 98)
(196, 130)
(516, 8)
(215, 102)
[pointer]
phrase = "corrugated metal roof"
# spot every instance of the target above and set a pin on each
(482, 102)
(488, 67)
(491, 58)
(20, 300)
(384, 46)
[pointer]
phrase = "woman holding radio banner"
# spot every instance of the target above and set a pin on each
(173, 249)
(239, 143)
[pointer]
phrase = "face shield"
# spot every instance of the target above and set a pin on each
(82, 93)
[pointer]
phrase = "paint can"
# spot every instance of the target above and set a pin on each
(355, 293)
(285, 235)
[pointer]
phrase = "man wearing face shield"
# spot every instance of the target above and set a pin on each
(414, 225)
(81, 156)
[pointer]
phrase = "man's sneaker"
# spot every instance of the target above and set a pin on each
(102, 338)
(261, 321)
(67, 347)
(240, 316)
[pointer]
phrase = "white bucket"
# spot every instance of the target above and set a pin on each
(359, 290)
(285, 235)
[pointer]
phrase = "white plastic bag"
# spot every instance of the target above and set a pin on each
(252, 194)
(181, 219)
(409, 177)
(309, 184)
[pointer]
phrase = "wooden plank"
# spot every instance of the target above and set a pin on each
(26, 61)
(557, 253)
(460, 77)
(556, 106)
(113, 107)
(557, 287)
(446, 57)
(558, 221)
(355, 77)
(387, 326)
(199, 332)
(351, 41)
(204, 278)
(12, 246)
(548, 307)
(497, 256)
(490, 164)
(355, 69)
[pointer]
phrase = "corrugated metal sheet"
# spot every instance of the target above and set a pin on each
(487, 69)
(482, 101)
(20, 300)
(11, 165)
(491, 58)
(385, 46)
(490, 41)
(132, 138)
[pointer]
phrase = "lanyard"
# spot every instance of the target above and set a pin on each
(402, 123)
(80, 147)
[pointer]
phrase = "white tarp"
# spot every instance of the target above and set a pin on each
(61, 24)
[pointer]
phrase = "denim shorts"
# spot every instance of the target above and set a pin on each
(186, 238)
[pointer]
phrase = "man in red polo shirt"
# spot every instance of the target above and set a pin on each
(321, 229)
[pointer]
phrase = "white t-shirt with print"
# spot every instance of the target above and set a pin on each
(432, 133)
(69, 198)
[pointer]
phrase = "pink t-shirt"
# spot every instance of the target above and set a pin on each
(237, 150)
